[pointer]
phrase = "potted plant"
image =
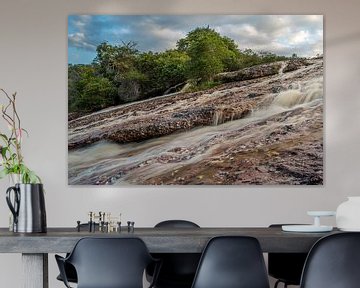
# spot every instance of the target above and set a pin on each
(26, 197)
(11, 159)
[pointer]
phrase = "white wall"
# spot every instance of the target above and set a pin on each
(33, 62)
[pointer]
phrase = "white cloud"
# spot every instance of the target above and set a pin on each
(121, 31)
(79, 40)
(81, 22)
(281, 34)
(250, 30)
(152, 36)
(163, 33)
(299, 37)
(244, 35)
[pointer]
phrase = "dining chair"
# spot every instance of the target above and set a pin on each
(232, 262)
(333, 262)
(178, 269)
(70, 271)
(108, 263)
(286, 267)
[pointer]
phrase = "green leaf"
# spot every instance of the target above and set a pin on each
(26, 132)
(3, 151)
(4, 173)
(28, 176)
(5, 138)
(33, 178)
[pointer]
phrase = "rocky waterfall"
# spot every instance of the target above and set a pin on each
(263, 125)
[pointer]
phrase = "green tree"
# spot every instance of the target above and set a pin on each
(97, 93)
(162, 70)
(118, 64)
(171, 67)
(205, 61)
(121, 73)
(209, 52)
(89, 91)
(113, 60)
(131, 85)
(76, 75)
(250, 58)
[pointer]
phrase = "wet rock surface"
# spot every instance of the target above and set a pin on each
(251, 72)
(261, 131)
(162, 116)
(281, 155)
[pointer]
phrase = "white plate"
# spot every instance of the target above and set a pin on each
(321, 213)
(306, 228)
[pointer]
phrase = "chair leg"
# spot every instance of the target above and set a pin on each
(278, 282)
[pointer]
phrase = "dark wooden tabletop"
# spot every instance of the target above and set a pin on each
(158, 240)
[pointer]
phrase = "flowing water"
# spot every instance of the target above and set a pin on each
(135, 163)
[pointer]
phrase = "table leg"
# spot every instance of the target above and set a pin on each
(35, 270)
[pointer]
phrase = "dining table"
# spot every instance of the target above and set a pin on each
(35, 247)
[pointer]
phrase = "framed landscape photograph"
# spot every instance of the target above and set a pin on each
(195, 100)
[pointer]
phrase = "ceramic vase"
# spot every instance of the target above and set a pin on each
(27, 204)
(348, 214)
(13, 179)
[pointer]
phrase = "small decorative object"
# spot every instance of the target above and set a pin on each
(104, 220)
(131, 226)
(348, 214)
(78, 225)
(316, 227)
(27, 204)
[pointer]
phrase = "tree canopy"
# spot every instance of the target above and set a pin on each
(209, 53)
(121, 73)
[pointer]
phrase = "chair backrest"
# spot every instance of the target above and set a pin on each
(178, 269)
(176, 224)
(232, 262)
(110, 262)
(333, 262)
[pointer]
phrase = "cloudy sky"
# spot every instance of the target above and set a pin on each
(280, 34)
